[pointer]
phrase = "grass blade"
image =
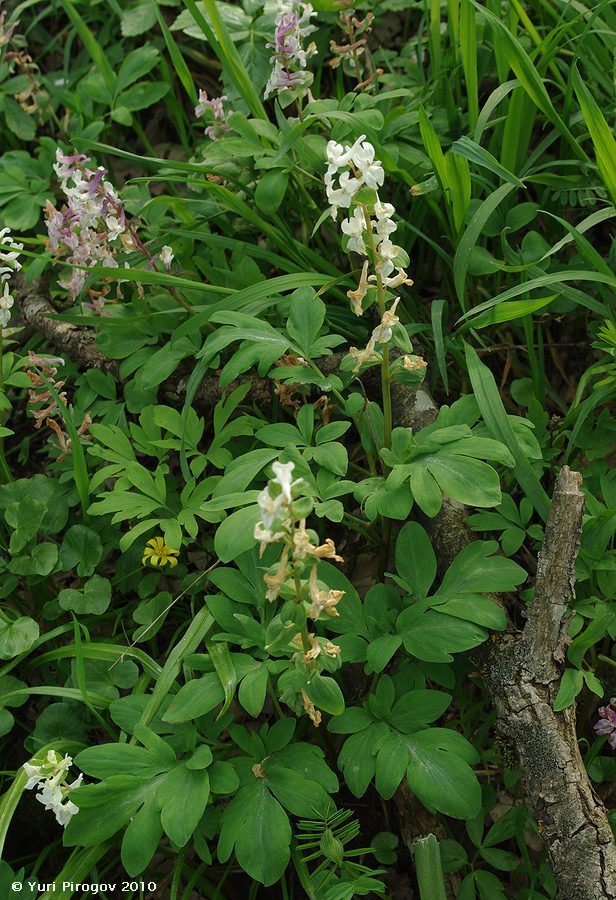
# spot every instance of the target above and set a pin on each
(474, 153)
(600, 133)
(99, 57)
(470, 237)
(179, 63)
(529, 78)
(492, 409)
(226, 51)
(427, 857)
(468, 44)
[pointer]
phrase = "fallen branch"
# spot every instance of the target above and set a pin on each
(414, 406)
(523, 676)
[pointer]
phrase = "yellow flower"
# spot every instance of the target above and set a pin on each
(158, 554)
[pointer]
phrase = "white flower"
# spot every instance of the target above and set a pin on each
(362, 356)
(10, 256)
(284, 473)
(272, 508)
(343, 196)
(64, 812)
(34, 775)
(114, 226)
(339, 156)
(362, 289)
(354, 227)
(166, 257)
(396, 280)
(266, 536)
(383, 332)
(49, 778)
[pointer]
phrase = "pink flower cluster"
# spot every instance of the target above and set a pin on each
(219, 126)
(92, 218)
(289, 58)
(607, 722)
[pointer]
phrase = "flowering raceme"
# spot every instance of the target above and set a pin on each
(50, 780)
(8, 264)
(607, 722)
(368, 228)
(215, 105)
(289, 57)
(93, 218)
(283, 521)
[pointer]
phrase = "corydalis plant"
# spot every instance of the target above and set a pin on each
(368, 229)
(93, 228)
(294, 578)
(289, 74)
(43, 400)
(216, 110)
(92, 220)
(53, 789)
(9, 264)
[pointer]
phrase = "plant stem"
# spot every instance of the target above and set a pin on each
(380, 297)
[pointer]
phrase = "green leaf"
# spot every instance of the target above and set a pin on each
(141, 838)
(18, 121)
(415, 559)
(223, 778)
(17, 637)
(571, 684)
(493, 412)
(433, 637)
(235, 534)
(306, 317)
(252, 690)
(25, 518)
(500, 859)
(509, 312)
(441, 779)
(600, 132)
(142, 95)
(357, 761)
(419, 708)
(300, 795)
(325, 693)
(97, 54)
(527, 75)
(136, 64)
(183, 796)
(476, 569)
(469, 481)
(256, 825)
(425, 491)
(381, 650)
(106, 807)
(220, 656)
(82, 549)
(194, 699)
(270, 191)
(468, 149)
(41, 561)
(138, 18)
(470, 237)
(94, 598)
(333, 457)
(392, 762)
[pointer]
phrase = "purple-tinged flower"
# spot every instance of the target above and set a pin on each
(607, 722)
(93, 217)
(289, 57)
(215, 104)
